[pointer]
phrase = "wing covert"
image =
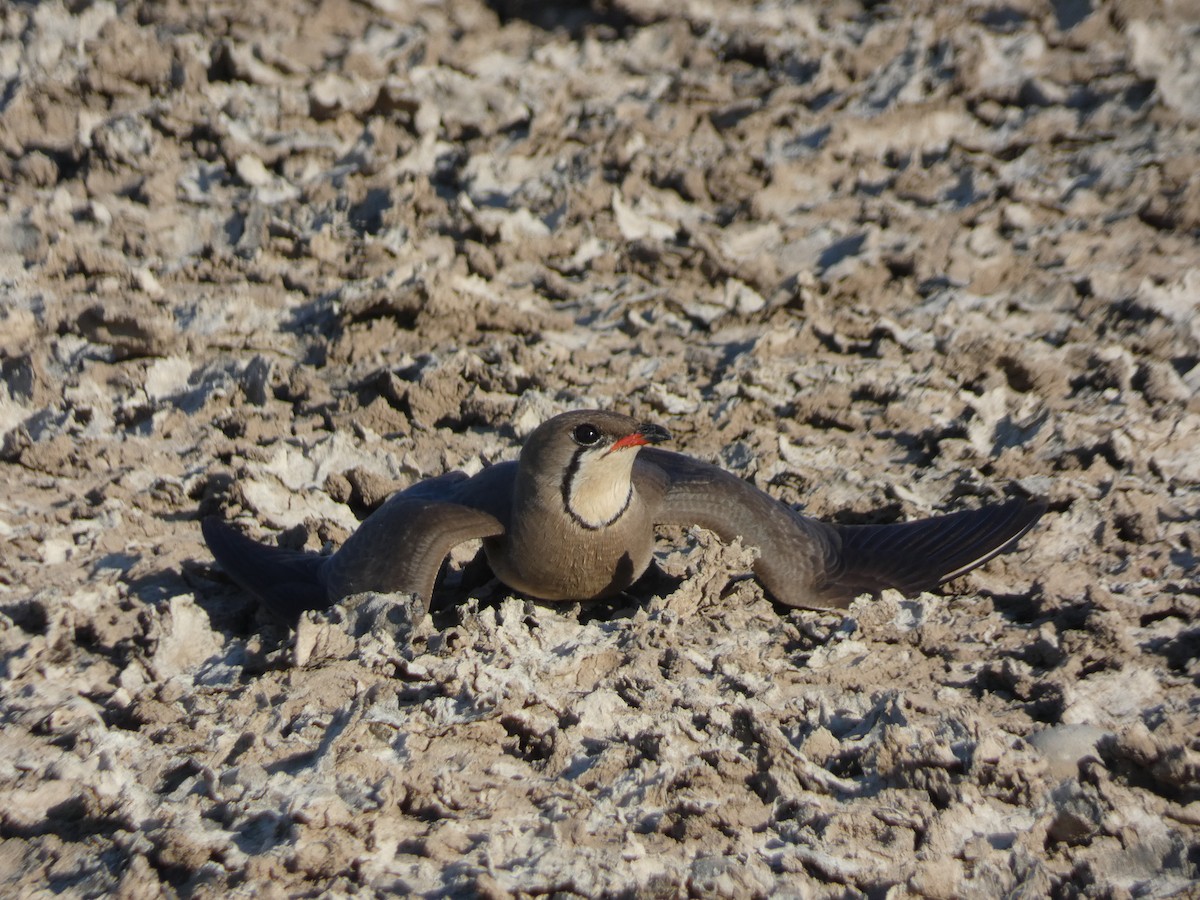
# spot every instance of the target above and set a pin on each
(795, 551)
(812, 564)
(401, 546)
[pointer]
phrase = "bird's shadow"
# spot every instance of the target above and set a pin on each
(230, 610)
(477, 582)
(574, 19)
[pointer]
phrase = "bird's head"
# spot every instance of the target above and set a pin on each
(586, 458)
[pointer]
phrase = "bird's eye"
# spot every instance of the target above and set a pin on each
(586, 434)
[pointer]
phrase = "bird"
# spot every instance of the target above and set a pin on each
(574, 518)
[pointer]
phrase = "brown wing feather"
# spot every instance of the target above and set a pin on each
(918, 556)
(286, 581)
(795, 551)
(810, 564)
(401, 546)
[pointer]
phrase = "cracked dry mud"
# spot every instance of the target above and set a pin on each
(274, 260)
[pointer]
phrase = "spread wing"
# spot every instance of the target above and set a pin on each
(812, 564)
(399, 547)
(795, 552)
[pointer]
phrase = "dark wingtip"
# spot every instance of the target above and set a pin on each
(221, 538)
(213, 528)
(920, 555)
(1011, 521)
(287, 582)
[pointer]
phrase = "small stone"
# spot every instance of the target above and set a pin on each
(1065, 746)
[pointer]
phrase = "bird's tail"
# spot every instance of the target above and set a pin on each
(286, 581)
(918, 556)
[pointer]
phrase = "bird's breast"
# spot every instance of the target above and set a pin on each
(547, 555)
